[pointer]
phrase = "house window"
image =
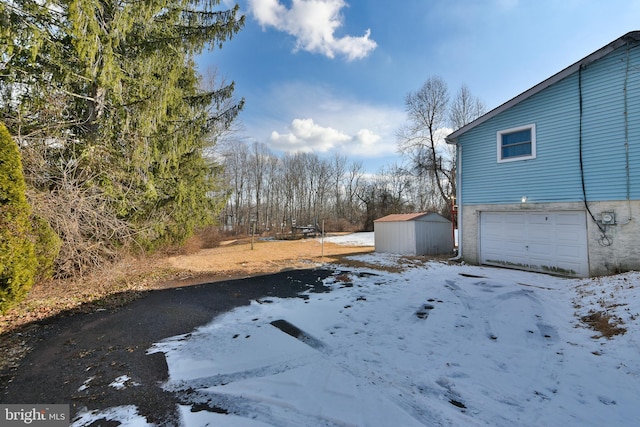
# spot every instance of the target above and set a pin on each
(517, 144)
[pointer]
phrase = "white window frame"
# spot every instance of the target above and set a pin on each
(531, 127)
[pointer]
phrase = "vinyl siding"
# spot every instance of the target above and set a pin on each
(554, 175)
(603, 128)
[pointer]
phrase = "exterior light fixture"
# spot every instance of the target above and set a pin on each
(524, 199)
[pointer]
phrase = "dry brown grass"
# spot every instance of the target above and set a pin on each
(606, 325)
(120, 282)
(604, 318)
(233, 257)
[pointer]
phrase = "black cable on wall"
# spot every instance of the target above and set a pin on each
(605, 241)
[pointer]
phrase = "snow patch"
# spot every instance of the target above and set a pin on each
(127, 416)
(435, 344)
(353, 239)
(122, 382)
(85, 384)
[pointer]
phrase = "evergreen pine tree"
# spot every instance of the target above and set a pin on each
(108, 92)
(17, 255)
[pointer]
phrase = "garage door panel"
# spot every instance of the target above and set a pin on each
(569, 236)
(513, 232)
(570, 218)
(513, 235)
(493, 247)
(511, 249)
(572, 265)
(568, 251)
(539, 241)
(514, 219)
(541, 236)
(541, 249)
(540, 219)
(506, 249)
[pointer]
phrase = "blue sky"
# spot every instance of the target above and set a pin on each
(330, 76)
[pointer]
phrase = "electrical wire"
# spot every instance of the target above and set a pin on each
(626, 135)
(604, 240)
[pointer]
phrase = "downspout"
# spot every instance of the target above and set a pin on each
(458, 257)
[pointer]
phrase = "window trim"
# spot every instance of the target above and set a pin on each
(499, 134)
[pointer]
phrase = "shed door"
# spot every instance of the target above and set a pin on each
(554, 242)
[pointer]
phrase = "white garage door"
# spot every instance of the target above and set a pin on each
(553, 242)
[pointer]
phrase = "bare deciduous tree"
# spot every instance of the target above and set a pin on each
(427, 113)
(300, 188)
(339, 165)
(430, 117)
(465, 108)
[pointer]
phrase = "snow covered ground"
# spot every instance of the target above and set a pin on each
(433, 345)
(353, 239)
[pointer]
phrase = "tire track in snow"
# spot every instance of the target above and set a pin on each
(490, 304)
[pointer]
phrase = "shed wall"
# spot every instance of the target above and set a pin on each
(429, 235)
(397, 237)
(433, 238)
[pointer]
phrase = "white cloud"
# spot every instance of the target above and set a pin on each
(314, 118)
(313, 23)
(366, 137)
(306, 136)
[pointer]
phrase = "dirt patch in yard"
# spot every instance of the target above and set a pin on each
(241, 257)
(605, 324)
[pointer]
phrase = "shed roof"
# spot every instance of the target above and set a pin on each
(402, 217)
(630, 37)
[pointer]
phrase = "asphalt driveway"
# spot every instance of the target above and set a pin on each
(108, 344)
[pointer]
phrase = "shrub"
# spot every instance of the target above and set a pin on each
(47, 247)
(18, 262)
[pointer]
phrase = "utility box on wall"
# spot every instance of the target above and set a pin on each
(426, 233)
(608, 218)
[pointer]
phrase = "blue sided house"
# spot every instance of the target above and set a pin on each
(550, 180)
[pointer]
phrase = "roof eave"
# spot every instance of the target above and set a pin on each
(633, 36)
